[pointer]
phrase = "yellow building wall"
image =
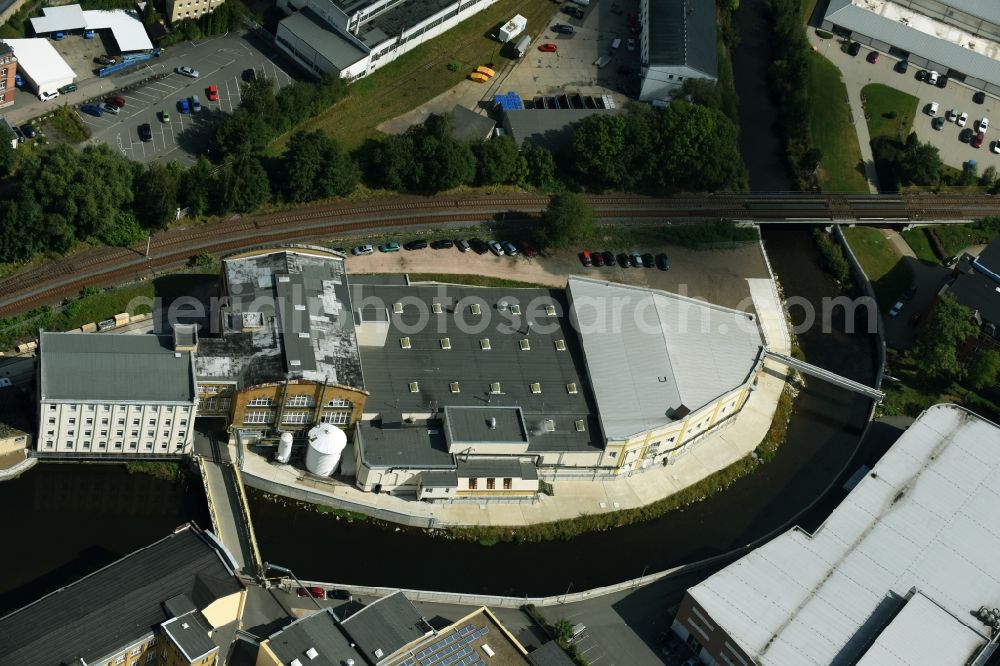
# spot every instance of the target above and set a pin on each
(265, 657)
(281, 397)
(225, 610)
(13, 444)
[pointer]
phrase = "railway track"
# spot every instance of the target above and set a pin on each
(55, 280)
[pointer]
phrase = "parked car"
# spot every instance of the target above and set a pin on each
(965, 136)
(854, 49)
(509, 248)
(313, 591)
(105, 60)
(5, 382)
(609, 258)
(636, 260)
(110, 108)
(68, 88)
(184, 70)
(573, 11)
(59, 36)
(18, 81)
(419, 244)
(117, 100)
(932, 77)
(598, 259)
(18, 134)
(462, 245)
(548, 47)
(359, 250)
(391, 246)
(213, 93)
(995, 147)
(937, 123)
(942, 82)
(562, 28)
(663, 262)
(527, 248)
(984, 124)
(29, 131)
(895, 309)
(932, 109)
(872, 57)
(495, 248)
(951, 115)
(585, 259)
(443, 244)
(89, 34)
(962, 119)
(164, 116)
(91, 109)
(183, 106)
(249, 74)
(902, 66)
(647, 260)
(979, 97)
(921, 75)
(344, 595)
(977, 141)
(195, 103)
(478, 246)
(624, 261)
(46, 96)
(145, 132)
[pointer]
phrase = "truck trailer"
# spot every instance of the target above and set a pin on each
(523, 46)
(513, 28)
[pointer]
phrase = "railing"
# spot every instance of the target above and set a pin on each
(258, 562)
(208, 497)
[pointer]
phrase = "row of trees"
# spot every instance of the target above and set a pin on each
(937, 348)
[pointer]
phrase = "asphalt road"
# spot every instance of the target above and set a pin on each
(221, 62)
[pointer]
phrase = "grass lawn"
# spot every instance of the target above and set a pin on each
(832, 131)
(956, 237)
(422, 74)
(880, 103)
(914, 393)
(889, 274)
(920, 244)
(474, 280)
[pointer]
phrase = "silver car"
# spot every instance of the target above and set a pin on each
(496, 248)
(188, 71)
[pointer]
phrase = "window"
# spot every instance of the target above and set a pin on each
(120, 659)
(135, 433)
(414, 387)
(52, 421)
(336, 418)
(472, 484)
(300, 401)
(476, 309)
(295, 417)
(50, 433)
(136, 650)
(560, 345)
(104, 433)
(258, 417)
(149, 446)
(182, 434)
(88, 433)
(90, 421)
(118, 445)
(121, 421)
(133, 445)
(150, 655)
(48, 444)
(150, 433)
(339, 402)
(104, 421)
(120, 433)
(508, 484)
(436, 308)
(571, 388)
(152, 422)
(183, 422)
(491, 484)
(515, 309)
(68, 444)
(102, 445)
(445, 343)
(70, 433)
(52, 408)
(261, 402)
(135, 421)
(72, 421)
(580, 425)
(550, 310)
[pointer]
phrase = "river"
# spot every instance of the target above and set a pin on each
(65, 520)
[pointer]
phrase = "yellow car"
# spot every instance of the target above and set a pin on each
(479, 77)
(485, 71)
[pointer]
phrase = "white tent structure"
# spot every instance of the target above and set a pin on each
(125, 27)
(41, 64)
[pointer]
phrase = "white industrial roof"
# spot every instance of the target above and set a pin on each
(649, 352)
(127, 29)
(41, 63)
(923, 633)
(927, 518)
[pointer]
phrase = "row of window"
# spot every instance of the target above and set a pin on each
(215, 405)
(297, 401)
(118, 446)
(118, 433)
(90, 421)
(107, 408)
(299, 418)
(491, 484)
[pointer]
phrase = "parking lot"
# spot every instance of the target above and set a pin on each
(221, 62)
(571, 67)
(858, 72)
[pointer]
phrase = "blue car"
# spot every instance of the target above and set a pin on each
(89, 34)
(92, 109)
(58, 36)
(183, 106)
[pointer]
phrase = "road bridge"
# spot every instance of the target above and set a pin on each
(826, 375)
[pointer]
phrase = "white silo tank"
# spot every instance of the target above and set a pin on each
(326, 443)
(284, 447)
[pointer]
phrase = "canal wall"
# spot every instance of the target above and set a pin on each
(18, 469)
(865, 284)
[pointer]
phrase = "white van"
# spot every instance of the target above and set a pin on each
(932, 109)
(615, 44)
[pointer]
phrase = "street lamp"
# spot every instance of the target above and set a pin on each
(285, 570)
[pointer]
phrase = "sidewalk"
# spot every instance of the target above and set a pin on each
(719, 449)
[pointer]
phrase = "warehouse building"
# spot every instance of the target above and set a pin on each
(172, 603)
(40, 64)
(125, 27)
(960, 38)
(114, 396)
(353, 39)
(904, 571)
(677, 43)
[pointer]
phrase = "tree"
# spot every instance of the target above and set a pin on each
(125, 231)
(566, 219)
(8, 157)
(989, 176)
(539, 166)
(984, 368)
(921, 162)
(241, 185)
(811, 160)
(316, 167)
(937, 346)
(497, 161)
(197, 186)
(157, 192)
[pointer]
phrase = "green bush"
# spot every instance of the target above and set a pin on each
(823, 34)
(833, 257)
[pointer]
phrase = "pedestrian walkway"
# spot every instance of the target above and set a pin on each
(716, 450)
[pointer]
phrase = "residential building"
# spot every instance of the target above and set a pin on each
(181, 10)
(165, 604)
(114, 396)
(974, 284)
(676, 43)
(352, 39)
(13, 440)
(8, 74)
(902, 572)
(285, 357)
(960, 38)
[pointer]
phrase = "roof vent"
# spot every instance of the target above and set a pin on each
(536, 388)
(580, 425)
(495, 388)
(397, 308)
(185, 625)
(515, 309)
(177, 354)
(550, 310)
(437, 308)
(312, 653)
(404, 343)
(414, 387)
(476, 309)
(379, 653)
(485, 344)
(502, 306)
(571, 388)
(445, 343)
(560, 345)
(455, 388)
(304, 335)
(525, 344)
(295, 662)
(493, 423)
(550, 425)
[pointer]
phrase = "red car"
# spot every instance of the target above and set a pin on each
(977, 141)
(598, 259)
(586, 259)
(314, 591)
(213, 93)
(116, 101)
(527, 249)
(873, 57)
(548, 47)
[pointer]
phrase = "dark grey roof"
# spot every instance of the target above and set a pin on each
(682, 32)
(467, 125)
(550, 654)
(479, 468)
(988, 260)
(333, 45)
(319, 632)
(439, 479)
(401, 16)
(289, 317)
(385, 626)
(476, 425)
(108, 367)
(190, 634)
(413, 445)
(547, 128)
(116, 605)
(978, 293)
(179, 605)
(389, 370)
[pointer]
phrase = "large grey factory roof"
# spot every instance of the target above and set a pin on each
(401, 17)
(97, 367)
(988, 10)
(484, 425)
(289, 317)
(117, 605)
(385, 626)
(546, 128)
(682, 32)
(524, 349)
(923, 520)
(411, 445)
(649, 352)
(318, 632)
(309, 26)
(847, 15)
